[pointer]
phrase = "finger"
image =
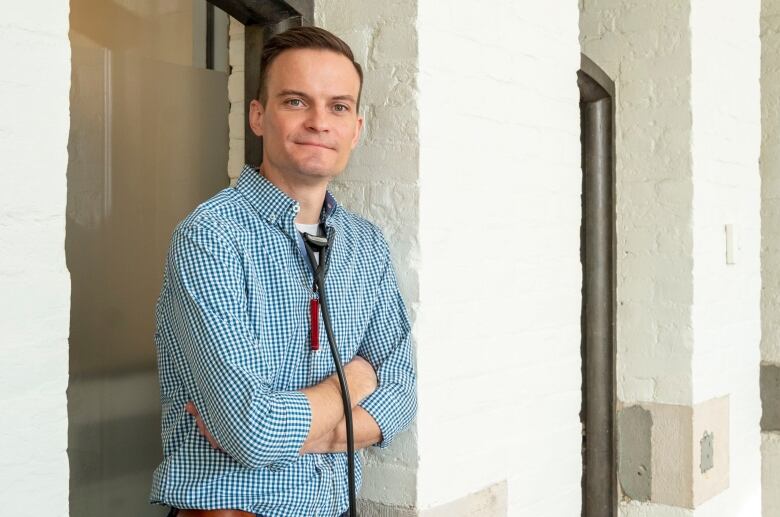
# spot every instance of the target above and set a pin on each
(207, 434)
(191, 409)
(201, 426)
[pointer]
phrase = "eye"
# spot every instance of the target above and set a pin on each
(341, 108)
(295, 103)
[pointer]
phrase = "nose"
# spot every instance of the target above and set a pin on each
(317, 120)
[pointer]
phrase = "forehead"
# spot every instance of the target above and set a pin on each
(314, 71)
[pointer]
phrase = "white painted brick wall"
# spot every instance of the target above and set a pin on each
(532, 324)
(725, 145)
(498, 328)
(770, 244)
(687, 137)
(645, 48)
(770, 179)
(499, 153)
(34, 281)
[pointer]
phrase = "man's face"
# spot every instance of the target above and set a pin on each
(309, 123)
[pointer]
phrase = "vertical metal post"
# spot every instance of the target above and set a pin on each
(598, 310)
(210, 36)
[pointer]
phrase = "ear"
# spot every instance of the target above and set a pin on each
(358, 128)
(256, 113)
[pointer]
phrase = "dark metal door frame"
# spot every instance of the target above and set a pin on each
(262, 19)
(597, 109)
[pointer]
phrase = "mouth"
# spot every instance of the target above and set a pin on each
(315, 144)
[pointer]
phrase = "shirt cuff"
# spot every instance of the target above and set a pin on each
(297, 424)
(379, 405)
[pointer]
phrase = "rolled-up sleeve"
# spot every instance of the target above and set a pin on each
(255, 425)
(387, 346)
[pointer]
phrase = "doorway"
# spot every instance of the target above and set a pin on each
(597, 248)
(148, 142)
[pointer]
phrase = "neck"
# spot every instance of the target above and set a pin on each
(310, 196)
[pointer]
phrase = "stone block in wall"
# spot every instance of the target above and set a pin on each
(770, 474)
(672, 454)
(488, 502)
(770, 397)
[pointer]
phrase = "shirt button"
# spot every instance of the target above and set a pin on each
(296, 208)
(272, 217)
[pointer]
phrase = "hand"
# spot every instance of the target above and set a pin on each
(361, 378)
(192, 410)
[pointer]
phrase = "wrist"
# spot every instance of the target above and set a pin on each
(335, 385)
(360, 391)
(338, 436)
(353, 383)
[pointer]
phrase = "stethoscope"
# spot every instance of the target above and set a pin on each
(314, 243)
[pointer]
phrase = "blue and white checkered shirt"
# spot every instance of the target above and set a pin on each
(233, 336)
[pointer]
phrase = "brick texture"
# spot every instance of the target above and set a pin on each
(645, 48)
(726, 310)
(687, 139)
(34, 281)
(500, 277)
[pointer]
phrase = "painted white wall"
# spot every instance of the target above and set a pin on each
(498, 327)
(687, 138)
(34, 281)
(726, 136)
(645, 48)
(770, 179)
(494, 107)
(770, 228)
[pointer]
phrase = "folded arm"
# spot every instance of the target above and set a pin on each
(327, 408)
(390, 408)
(326, 403)
(250, 421)
(365, 431)
(238, 411)
(387, 345)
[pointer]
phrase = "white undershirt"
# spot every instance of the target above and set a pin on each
(311, 229)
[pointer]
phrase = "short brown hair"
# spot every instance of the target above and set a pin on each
(302, 37)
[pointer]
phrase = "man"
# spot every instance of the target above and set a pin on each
(252, 415)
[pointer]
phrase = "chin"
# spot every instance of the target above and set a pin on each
(318, 170)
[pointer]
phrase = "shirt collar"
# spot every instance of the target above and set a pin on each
(272, 204)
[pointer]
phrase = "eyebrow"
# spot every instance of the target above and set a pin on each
(344, 98)
(284, 93)
(297, 93)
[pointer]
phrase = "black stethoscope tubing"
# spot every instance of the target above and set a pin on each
(319, 279)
